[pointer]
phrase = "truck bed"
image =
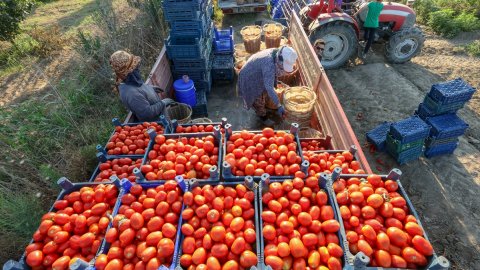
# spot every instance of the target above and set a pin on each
(231, 6)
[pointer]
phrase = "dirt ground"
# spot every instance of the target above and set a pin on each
(443, 189)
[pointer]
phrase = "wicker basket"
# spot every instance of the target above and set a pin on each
(241, 53)
(273, 34)
(283, 41)
(202, 120)
(180, 111)
(299, 101)
(279, 90)
(290, 78)
(251, 38)
(239, 65)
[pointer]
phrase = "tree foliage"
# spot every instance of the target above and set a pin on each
(12, 12)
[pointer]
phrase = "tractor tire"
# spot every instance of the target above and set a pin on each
(340, 43)
(404, 45)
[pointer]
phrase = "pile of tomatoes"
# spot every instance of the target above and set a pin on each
(219, 228)
(377, 222)
(75, 231)
(326, 162)
(267, 152)
(189, 157)
(131, 140)
(299, 227)
(194, 129)
(312, 145)
(144, 230)
(121, 167)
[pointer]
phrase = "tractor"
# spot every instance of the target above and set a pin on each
(341, 28)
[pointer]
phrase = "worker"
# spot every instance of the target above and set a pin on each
(141, 99)
(371, 24)
(258, 78)
(319, 47)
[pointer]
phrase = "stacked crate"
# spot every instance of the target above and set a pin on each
(222, 67)
(406, 138)
(189, 45)
(439, 111)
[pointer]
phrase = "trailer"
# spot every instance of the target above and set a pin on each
(233, 6)
(328, 117)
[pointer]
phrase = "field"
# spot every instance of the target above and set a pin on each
(55, 109)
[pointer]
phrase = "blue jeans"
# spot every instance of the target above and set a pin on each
(369, 36)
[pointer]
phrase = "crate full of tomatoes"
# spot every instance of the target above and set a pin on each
(300, 227)
(327, 160)
(192, 156)
(219, 229)
(144, 234)
(73, 229)
(253, 153)
(120, 167)
(381, 222)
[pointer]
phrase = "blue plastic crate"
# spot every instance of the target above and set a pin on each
(223, 41)
(446, 126)
(222, 68)
(407, 155)
(223, 33)
(378, 135)
(195, 75)
(452, 91)
(256, 217)
(441, 149)
(204, 85)
(409, 130)
(423, 112)
(193, 10)
(126, 185)
(67, 188)
(200, 110)
(433, 262)
(438, 108)
(432, 142)
(327, 188)
(188, 48)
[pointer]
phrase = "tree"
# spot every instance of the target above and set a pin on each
(12, 12)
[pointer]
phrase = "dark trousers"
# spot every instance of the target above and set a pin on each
(369, 37)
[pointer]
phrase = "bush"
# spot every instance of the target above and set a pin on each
(49, 39)
(423, 8)
(443, 22)
(467, 22)
(473, 48)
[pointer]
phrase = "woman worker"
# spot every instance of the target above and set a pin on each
(258, 78)
(142, 99)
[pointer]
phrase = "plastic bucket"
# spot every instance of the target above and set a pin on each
(185, 91)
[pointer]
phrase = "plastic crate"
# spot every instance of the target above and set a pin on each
(188, 48)
(222, 68)
(431, 142)
(200, 110)
(400, 147)
(126, 185)
(188, 29)
(214, 171)
(325, 142)
(441, 149)
(378, 136)
(227, 170)
(204, 86)
(409, 130)
(185, 10)
(423, 112)
(446, 126)
(103, 159)
(250, 186)
(326, 186)
(194, 75)
(405, 156)
(202, 63)
(453, 91)
(438, 108)
(360, 261)
(67, 188)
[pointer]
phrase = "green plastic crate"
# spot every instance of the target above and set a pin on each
(398, 147)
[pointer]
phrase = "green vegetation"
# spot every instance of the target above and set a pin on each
(473, 48)
(53, 132)
(448, 18)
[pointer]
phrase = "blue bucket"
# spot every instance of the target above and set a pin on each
(185, 91)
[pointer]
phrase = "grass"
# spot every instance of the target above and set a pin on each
(54, 132)
(473, 48)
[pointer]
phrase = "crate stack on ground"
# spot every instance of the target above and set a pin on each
(439, 110)
(189, 45)
(405, 139)
(222, 67)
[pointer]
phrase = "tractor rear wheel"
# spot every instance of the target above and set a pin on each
(404, 45)
(340, 43)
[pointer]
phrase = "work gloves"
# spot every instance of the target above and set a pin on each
(281, 111)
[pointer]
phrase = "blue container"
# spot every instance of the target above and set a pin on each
(378, 136)
(452, 91)
(185, 91)
(441, 149)
(446, 126)
(409, 130)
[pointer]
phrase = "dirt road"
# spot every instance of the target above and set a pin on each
(443, 189)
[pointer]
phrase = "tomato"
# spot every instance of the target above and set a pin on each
(274, 261)
(364, 247)
(35, 258)
(397, 236)
(297, 249)
(422, 245)
(413, 229)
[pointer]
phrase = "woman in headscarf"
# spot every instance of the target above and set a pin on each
(258, 78)
(142, 99)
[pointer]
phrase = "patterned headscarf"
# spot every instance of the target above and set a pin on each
(122, 64)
